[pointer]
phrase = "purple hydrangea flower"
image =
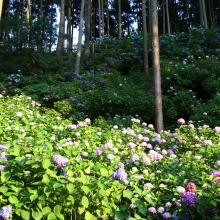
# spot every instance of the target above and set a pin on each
(166, 215)
(217, 129)
(215, 173)
(190, 187)
(152, 210)
(160, 210)
(170, 152)
(5, 212)
(189, 198)
(121, 165)
(207, 143)
(134, 158)
(2, 147)
(2, 167)
(120, 174)
(210, 211)
(110, 156)
(181, 121)
(60, 161)
(3, 156)
(99, 151)
(180, 189)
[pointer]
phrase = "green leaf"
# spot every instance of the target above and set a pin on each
(51, 216)
(138, 190)
(25, 214)
(86, 189)
(46, 210)
(20, 160)
(89, 216)
(81, 210)
(104, 172)
(71, 188)
(137, 216)
(142, 209)
(37, 215)
(127, 194)
(45, 179)
(85, 202)
(3, 189)
(71, 198)
(13, 199)
(87, 171)
(17, 149)
(46, 163)
(5, 175)
(57, 210)
(33, 197)
(49, 145)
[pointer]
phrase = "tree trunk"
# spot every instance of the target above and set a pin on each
(201, 13)
(69, 15)
(213, 13)
(149, 17)
(168, 17)
(28, 15)
(100, 27)
(156, 66)
(108, 29)
(61, 30)
(145, 37)
(78, 55)
(87, 25)
(164, 18)
(103, 20)
(39, 41)
(204, 14)
(119, 18)
(1, 5)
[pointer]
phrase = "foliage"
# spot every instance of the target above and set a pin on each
(53, 169)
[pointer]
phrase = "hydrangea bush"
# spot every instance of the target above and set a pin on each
(54, 169)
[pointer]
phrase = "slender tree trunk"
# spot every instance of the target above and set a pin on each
(108, 32)
(156, 65)
(1, 5)
(69, 15)
(103, 20)
(210, 14)
(213, 13)
(87, 25)
(119, 18)
(164, 18)
(201, 13)
(78, 55)
(60, 42)
(39, 42)
(100, 28)
(204, 14)
(168, 17)
(28, 15)
(149, 16)
(145, 37)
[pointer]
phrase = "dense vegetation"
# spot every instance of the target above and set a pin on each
(74, 146)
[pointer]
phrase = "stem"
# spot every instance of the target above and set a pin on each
(75, 214)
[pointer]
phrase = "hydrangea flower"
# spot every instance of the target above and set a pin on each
(215, 173)
(207, 142)
(148, 186)
(180, 189)
(120, 174)
(189, 198)
(180, 121)
(166, 215)
(190, 187)
(5, 212)
(60, 161)
(99, 151)
(152, 210)
(160, 210)
(217, 129)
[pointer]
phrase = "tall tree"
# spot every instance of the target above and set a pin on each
(60, 43)
(156, 66)
(100, 19)
(119, 18)
(87, 25)
(78, 55)
(168, 17)
(145, 37)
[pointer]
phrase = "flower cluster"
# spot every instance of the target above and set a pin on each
(60, 161)
(5, 212)
(120, 174)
